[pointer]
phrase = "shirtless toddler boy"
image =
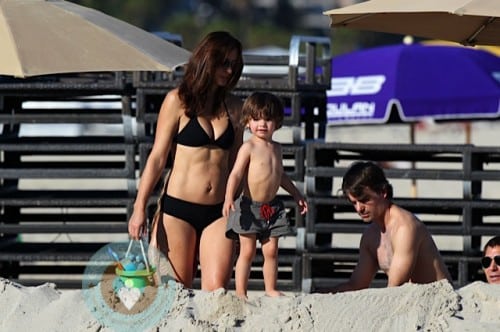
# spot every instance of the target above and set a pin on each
(258, 213)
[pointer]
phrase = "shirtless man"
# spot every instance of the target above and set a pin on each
(395, 241)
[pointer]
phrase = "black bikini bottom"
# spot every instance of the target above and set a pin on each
(197, 215)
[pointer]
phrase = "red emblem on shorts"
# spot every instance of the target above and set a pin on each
(266, 212)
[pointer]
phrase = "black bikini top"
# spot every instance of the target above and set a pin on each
(193, 134)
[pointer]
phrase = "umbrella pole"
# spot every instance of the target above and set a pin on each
(413, 190)
(467, 132)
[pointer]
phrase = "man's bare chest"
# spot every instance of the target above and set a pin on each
(384, 253)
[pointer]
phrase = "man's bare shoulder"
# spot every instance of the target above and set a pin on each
(402, 216)
(407, 227)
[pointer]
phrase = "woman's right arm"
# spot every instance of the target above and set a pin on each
(166, 128)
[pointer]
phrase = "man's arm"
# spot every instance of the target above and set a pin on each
(364, 272)
(405, 247)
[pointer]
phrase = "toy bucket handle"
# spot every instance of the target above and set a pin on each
(142, 250)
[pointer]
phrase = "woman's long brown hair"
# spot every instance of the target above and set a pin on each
(198, 81)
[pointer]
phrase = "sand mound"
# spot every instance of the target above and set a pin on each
(432, 307)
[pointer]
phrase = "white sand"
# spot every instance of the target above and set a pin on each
(432, 307)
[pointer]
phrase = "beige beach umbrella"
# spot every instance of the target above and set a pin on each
(39, 37)
(468, 22)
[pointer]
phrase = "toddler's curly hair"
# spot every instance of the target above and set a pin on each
(263, 105)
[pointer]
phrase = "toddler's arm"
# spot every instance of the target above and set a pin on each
(287, 184)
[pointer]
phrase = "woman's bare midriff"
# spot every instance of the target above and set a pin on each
(197, 175)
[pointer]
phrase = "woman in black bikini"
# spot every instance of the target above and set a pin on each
(198, 124)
